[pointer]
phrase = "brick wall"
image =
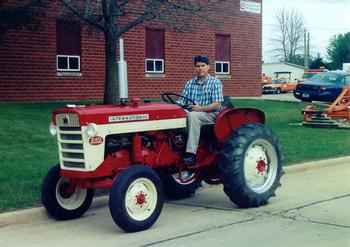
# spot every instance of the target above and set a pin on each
(28, 59)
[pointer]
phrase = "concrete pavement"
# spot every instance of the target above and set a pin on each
(310, 209)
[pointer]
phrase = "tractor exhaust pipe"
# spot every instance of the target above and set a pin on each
(122, 74)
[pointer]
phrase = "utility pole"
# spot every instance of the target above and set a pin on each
(306, 49)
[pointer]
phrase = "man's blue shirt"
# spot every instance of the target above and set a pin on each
(205, 93)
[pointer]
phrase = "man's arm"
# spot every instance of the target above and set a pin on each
(209, 108)
(184, 93)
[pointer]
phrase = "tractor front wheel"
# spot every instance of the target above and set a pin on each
(136, 198)
(62, 200)
(251, 165)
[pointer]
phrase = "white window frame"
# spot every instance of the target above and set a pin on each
(68, 57)
(154, 60)
(222, 63)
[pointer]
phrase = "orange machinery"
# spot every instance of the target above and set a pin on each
(335, 115)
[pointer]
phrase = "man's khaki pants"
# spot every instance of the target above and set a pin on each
(195, 120)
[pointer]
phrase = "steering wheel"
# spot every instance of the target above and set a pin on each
(174, 98)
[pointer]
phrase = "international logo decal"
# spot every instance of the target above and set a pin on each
(95, 140)
(127, 118)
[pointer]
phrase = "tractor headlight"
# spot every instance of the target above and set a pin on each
(91, 130)
(53, 129)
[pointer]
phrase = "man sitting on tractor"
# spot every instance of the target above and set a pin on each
(206, 91)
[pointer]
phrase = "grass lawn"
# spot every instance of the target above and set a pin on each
(27, 150)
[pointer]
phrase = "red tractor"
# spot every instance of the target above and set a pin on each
(136, 151)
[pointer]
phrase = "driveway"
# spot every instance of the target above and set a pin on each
(311, 209)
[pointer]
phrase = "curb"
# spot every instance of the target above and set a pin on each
(37, 215)
(311, 165)
(25, 216)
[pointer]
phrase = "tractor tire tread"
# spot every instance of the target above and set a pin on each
(231, 162)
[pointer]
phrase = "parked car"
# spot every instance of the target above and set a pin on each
(324, 86)
(265, 79)
(309, 73)
(279, 86)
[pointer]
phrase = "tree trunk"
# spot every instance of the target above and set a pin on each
(111, 95)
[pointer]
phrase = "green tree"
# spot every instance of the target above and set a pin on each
(296, 59)
(339, 50)
(317, 63)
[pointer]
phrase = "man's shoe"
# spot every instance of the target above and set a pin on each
(190, 159)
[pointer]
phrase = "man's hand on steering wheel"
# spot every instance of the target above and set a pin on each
(181, 100)
(196, 108)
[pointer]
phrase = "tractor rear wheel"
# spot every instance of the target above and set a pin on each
(136, 198)
(62, 200)
(179, 185)
(251, 165)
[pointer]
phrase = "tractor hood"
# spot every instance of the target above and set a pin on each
(133, 112)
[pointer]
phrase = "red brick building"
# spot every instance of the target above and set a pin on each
(65, 61)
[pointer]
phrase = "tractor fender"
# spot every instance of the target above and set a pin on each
(230, 119)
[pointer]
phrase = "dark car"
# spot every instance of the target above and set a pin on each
(324, 86)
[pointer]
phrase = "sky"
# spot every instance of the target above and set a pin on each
(322, 18)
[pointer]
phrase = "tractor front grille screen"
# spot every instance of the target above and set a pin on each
(73, 164)
(71, 146)
(67, 119)
(70, 140)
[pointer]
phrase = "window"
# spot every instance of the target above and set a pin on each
(222, 54)
(154, 65)
(222, 67)
(68, 39)
(154, 62)
(68, 63)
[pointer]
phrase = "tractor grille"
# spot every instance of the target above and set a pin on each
(67, 119)
(70, 140)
